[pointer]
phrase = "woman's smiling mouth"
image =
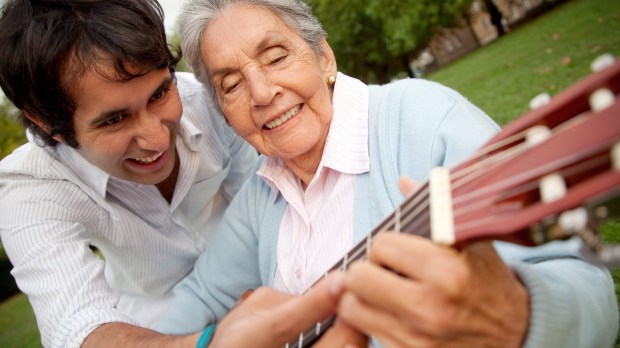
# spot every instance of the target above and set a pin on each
(287, 115)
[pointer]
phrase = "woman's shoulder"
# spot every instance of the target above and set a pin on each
(415, 88)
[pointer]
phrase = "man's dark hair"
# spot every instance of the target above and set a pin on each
(47, 45)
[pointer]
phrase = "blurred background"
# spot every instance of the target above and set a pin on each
(498, 53)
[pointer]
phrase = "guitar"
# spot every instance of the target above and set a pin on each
(551, 174)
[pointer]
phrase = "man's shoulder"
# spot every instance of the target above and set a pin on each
(39, 174)
(37, 162)
(28, 158)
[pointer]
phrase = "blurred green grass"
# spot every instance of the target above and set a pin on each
(545, 55)
(18, 327)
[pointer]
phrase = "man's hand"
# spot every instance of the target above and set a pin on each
(269, 318)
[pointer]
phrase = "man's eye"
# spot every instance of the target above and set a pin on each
(114, 120)
(159, 94)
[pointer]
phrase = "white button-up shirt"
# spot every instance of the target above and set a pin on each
(54, 205)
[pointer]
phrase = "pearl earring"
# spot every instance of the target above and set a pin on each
(331, 80)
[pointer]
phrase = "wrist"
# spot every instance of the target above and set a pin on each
(206, 336)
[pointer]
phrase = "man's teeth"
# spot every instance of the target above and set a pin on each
(292, 112)
(147, 160)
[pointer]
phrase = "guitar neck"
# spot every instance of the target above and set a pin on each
(552, 174)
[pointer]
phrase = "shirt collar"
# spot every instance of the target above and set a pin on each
(346, 147)
(189, 133)
(91, 175)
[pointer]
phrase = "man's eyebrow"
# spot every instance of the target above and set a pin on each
(106, 115)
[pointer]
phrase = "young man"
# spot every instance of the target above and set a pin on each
(125, 156)
(130, 158)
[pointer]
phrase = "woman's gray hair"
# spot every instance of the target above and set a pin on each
(196, 15)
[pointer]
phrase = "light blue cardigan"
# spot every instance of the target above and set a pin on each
(414, 126)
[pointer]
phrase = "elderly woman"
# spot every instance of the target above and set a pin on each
(333, 149)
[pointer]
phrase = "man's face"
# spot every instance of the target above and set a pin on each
(128, 128)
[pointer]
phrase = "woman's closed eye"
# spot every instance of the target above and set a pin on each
(229, 86)
(277, 60)
(275, 55)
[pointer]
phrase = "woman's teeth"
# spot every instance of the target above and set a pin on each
(148, 160)
(292, 112)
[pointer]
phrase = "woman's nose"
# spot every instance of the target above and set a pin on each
(262, 90)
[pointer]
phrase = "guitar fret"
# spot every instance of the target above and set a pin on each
(397, 218)
(318, 329)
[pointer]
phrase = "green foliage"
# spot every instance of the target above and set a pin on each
(375, 40)
(11, 134)
(174, 42)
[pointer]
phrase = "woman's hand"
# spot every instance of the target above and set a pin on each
(414, 293)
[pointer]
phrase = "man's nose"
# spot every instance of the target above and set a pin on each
(152, 133)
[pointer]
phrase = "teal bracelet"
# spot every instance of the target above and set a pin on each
(206, 336)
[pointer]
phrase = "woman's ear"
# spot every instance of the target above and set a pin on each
(328, 60)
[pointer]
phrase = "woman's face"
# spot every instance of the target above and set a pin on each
(270, 84)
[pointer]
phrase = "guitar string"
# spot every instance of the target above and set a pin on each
(410, 212)
(473, 199)
(412, 207)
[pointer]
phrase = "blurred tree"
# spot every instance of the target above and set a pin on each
(374, 40)
(12, 134)
(173, 40)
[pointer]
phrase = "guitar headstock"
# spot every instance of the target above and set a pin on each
(551, 174)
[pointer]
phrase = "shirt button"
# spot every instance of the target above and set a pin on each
(298, 274)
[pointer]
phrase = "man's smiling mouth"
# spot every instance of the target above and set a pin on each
(148, 160)
(287, 115)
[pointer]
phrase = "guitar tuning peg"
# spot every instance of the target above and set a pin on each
(615, 156)
(540, 100)
(601, 99)
(603, 61)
